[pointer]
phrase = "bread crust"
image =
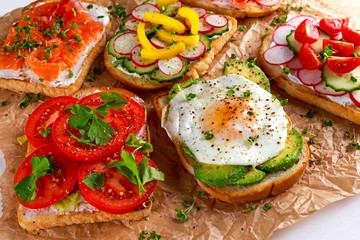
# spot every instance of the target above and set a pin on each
(28, 87)
(253, 11)
(244, 194)
(53, 220)
(196, 69)
(302, 92)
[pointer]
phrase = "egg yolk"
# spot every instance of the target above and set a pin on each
(230, 119)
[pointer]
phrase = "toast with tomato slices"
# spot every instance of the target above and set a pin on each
(65, 39)
(34, 220)
(315, 82)
(123, 55)
(238, 8)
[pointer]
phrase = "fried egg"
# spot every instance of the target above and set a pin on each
(228, 120)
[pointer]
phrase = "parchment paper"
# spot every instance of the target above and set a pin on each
(332, 175)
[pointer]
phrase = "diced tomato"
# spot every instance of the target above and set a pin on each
(307, 32)
(331, 26)
(340, 48)
(343, 64)
(308, 57)
(351, 35)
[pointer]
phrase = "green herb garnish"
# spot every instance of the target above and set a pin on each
(246, 94)
(328, 123)
(190, 96)
(286, 70)
(310, 113)
(278, 20)
(284, 102)
(242, 28)
(71, 74)
(138, 144)
(208, 135)
(266, 207)
(4, 103)
(94, 180)
(46, 132)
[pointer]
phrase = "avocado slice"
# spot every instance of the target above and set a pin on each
(287, 157)
(254, 73)
(219, 175)
(253, 176)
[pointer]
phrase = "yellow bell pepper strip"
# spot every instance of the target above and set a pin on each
(161, 3)
(144, 41)
(192, 16)
(168, 37)
(163, 53)
(158, 18)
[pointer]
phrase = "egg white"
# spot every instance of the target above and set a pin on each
(182, 119)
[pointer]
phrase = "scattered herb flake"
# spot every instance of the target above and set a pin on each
(190, 96)
(242, 28)
(310, 113)
(250, 208)
(284, 102)
(278, 20)
(246, 94)
(286, 70)
(138, 144)
(4, 103)
(208, 135)
(233, 56)
(251, 140)
(328, 123)
(266, 207)
(311, 140)
(46, 132)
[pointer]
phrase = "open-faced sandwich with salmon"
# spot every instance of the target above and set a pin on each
(52, 47)
(161, 42)
(88, 161)
(316, 61)
(233, 135)
(238, 8)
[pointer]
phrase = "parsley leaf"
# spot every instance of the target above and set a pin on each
(266, 207)
(251, 140)
(100, 131)
(94, 180)
(138, 144)
(190, 96)
(286, 70)
(246, 94)
(148, 173)
(154, 236)
(46, 132)
(143, 234)
(82, 115)
(114, 100)
(25, 102)
(324, 55)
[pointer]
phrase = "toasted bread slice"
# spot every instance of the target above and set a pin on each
(304, 93)
(273, 184)
(30, 87)
(253, 10)
(196, 69)
(34, 220)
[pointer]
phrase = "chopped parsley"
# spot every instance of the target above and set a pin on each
(311, 140)
(71, 74)
(266, 207)
(230, 91)
(304, 131)
(242, 28)
(41, 79)
(355, 145)
(251, 140)
(353, 79)
(25, 102)
(27, 9)
(90, 6)
(48, 49)
(246, 94)
(202, 194)
(100, 16)
(278, 20)
(77, 38)
(70, 50)
(67, 43)
(46, 57)
(233, 56)
(26, 18)
(74, 25)
(328, 123)
(208, 135)
(250, 113)
(116, 10)
(251, 62)
(46, 132)
(347, 134)
(250, 208)
(310, 113)
(190, 96)
(284, 102)
(324, 55)
(153, 236)
(75, 11)
(266, 34)
(91, 78)
(286, 70)
(4, 103)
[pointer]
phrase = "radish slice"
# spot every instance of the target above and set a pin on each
(295, 64)
(171, 67)
(278, 55)
(280, 33)
(200, 11)
(216, 20)
(337, 37)
(355, 97)
(194, 51)
(203, 26)
(295, 21)
(158, 43)
(323, 89)
(131, 24)
(139, 12)
(310, 77)
(124, 43)
(268, 3)
(138, 60)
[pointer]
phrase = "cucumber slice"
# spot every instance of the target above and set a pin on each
(122, 27)
(161, 77)
(218, 31)
(318, 45)
(206, 40)
(131, 67)
(295, 46)
(121, 44)
(347, 82)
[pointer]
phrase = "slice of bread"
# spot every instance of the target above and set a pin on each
(34, 220)
(273, 184)
(196, 69)
(30, 87)
(252, 10)
(302, 92)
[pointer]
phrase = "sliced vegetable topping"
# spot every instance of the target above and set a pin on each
(168, 37)
(343, 64)
(164, 53)
(340, 48)
(124, 43)
(278, 55)
(200, 11)
(141, 35)
(331, 26)
(280, 33)
(171, 67)
(308, 57)
(350, 35)
(190, 15)
(216, 20)
(310, 77)
(139, 11)
(307, 32)
(194, 51)
(138, 60)
(158, 18)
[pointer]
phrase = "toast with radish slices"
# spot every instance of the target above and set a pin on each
(52, 47)
(316, 61)
(238, 8)
(158, 45)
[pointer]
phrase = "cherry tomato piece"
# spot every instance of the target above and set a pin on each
(331, 26)
(307, 32)
(340, 48)
(54, 186)
(351, 35)
(118, 194)
(308, 57)
(343, 64)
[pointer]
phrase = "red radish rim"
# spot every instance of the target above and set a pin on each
(127, 27)
(298, 76)
(294, 68)
(329, 94)
(199, 56)
(156, 45)
(268, 5)
(276, 63)
(141, 20)
(308, 17)
(203, 9)
(284, 25)
(182, 67)
(355, 101)
(137, 63)
(216, 26)
(181, 4)
(203, 31)
(121, 36)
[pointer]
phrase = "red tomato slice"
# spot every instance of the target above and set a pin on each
(340, 48)
(343, 64)
(351, 35)
(307, 32)
(52, 187)
(308, 57)
(118, 194)
(84, 152)
(43, 117)
(133, 113)
(331, 26)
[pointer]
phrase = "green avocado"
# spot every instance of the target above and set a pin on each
(219, 175)
(287, 157)
(253, 73)
(253, 176)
